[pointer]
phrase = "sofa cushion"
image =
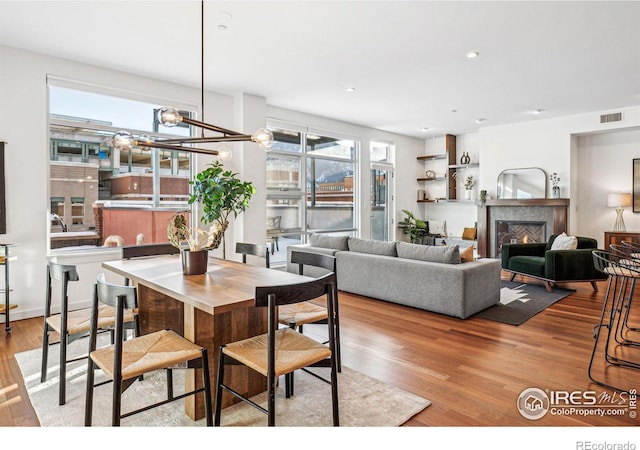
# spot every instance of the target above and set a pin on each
(326, 241)
(469, 233)
(533, 265)
(436, 227)
(466, 255)
(446, 254)
(564, 242)
(372, 247)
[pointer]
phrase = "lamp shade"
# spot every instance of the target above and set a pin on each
(618, 200)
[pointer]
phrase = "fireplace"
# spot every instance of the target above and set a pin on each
(518, 231)
(553, 212)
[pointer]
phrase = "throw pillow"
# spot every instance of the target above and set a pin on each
(436, 227)
(325, 241)
(448, 254)
(466, 255)
(373, 247)
(564, 242)
(469, 233)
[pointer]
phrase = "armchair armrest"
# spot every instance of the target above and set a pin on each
(566, 265)
(510, 250)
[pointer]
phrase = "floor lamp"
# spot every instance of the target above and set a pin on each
(619, 202)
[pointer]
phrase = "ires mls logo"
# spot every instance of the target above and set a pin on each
(533, 403)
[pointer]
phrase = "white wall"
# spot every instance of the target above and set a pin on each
(556, 145)
(605, 165)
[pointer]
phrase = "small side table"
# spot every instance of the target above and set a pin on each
(4, 309)
(616, 237)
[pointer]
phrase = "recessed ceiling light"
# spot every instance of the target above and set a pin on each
(423, 129)
(537, 111)
(454, 110)
(350, 89)
(473, 54)
(480, 120)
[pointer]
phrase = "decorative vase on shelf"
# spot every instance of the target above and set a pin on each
(556, 191)
(194, 262)
(465, 159)
(467, 194)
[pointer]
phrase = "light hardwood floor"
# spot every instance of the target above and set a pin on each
(472, 370)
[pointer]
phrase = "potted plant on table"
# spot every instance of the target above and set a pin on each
(194, 243)
(219, 193)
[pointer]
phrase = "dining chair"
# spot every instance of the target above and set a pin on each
(281, 350)
(274, 225)
(69, 325)
(260, 251)
(126, 361)
(143, 251)
(311, 313)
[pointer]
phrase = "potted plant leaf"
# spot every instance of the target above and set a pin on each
(221, 196)
(415, 228)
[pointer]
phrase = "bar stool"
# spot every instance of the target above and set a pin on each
(622, 273)
(629, 256)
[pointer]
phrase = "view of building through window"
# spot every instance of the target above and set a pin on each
(101, 196)
(310, 187)
(98, 194)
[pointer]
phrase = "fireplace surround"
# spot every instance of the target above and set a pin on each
(553, 212)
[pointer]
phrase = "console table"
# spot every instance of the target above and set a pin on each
(616, 237)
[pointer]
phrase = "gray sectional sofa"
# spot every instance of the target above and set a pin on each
(432, 278)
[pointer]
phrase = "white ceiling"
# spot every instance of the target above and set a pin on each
(406, 59)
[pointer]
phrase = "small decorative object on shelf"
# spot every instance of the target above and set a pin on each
(465, 159)
(483, 197)
(555, 179)
(430, 174)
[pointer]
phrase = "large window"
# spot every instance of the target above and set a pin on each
(97, 191)
(311, 187)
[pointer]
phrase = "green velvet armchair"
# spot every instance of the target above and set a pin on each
(537, 260)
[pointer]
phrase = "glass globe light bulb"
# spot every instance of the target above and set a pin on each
(264, 138)
(225, 154)
(169, 116)
(122, 140)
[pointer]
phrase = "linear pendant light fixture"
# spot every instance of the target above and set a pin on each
(170, 117)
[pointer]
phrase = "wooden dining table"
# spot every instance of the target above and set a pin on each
(210, 309)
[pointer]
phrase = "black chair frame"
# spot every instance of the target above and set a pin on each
(327, 262)
(127, 299)
(272, 297)
(260, 251)
(64, 273)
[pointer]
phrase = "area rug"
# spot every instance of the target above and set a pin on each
(363, 401)
(520, 302)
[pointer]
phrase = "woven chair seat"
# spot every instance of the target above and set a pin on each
(301, 313)
(147, 353)
(79, 321)
(293, 351)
